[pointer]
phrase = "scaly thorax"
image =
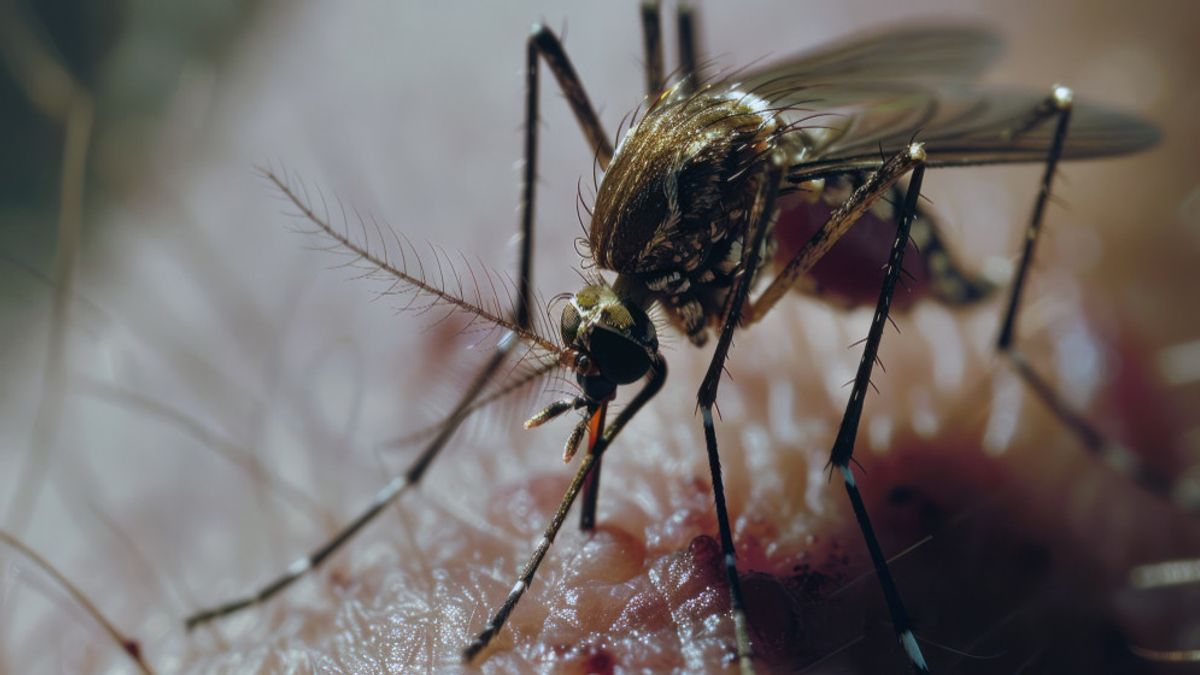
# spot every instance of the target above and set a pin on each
(674, 206)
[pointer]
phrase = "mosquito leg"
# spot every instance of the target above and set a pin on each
(544, 42)
(1058, 104)
(530, 569)
(685, 20)
(652, 48)
(382, 500)
(707, 396)
(840, 222)
(541, 42)
(843, 447)
(599, 443)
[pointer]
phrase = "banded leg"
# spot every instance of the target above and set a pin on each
(843, 446)
(1058, 105)
(761, 218)
(544, 43)
(598, 443)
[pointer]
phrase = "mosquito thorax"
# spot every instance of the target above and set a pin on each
(675, 201)
(614, 338)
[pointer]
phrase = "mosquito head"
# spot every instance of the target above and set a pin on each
(616, 338)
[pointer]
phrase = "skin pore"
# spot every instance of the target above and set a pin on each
(210, 309)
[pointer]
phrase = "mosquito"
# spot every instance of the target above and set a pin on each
(711, 182)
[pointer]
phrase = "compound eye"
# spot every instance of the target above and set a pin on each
(619, 358)
(570, 324)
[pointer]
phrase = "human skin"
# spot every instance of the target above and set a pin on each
(213, 307)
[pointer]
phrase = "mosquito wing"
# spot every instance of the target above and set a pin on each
(965, 127)
(867, 67)
(881, 91)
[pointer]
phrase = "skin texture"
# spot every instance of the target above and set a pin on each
(204, 302)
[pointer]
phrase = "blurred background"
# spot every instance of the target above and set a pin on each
(192, 395)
